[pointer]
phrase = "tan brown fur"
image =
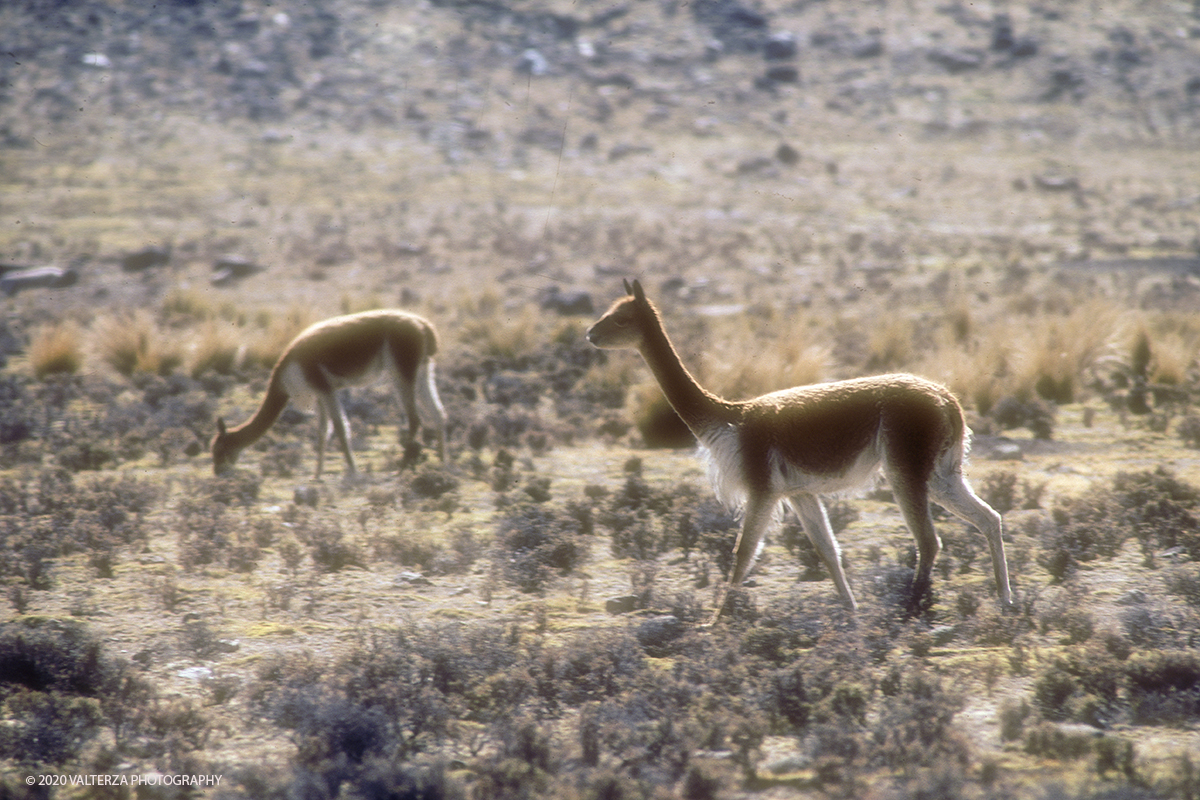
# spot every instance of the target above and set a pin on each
(346, 351)
(795, 445)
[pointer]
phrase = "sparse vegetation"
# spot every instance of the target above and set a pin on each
(56, 350)
(524, 620)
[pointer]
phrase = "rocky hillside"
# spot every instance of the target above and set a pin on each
(1127, 70)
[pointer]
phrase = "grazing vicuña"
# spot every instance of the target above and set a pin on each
(346, 351)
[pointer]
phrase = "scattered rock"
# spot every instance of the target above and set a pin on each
(1006, 451)
(146, 258)
(538, 489)
(942, 635)
(412, 579)
(1056, 183)
(622, 150)
(783, 73)
(655, 634)
(780, 45)
(16, 280)
(195, 673)
(1134, 597)
(306, 496)
(957, 59)
(622, 605)
(570, 303)
(533, 63)
(229, 269)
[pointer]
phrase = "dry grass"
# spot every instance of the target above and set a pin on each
(273, 333)
(56, 349)
(218, 347)
(741, 367)
(185, 306)
(133, 343)
(1174, 342)
(949, 271)
(501, 333)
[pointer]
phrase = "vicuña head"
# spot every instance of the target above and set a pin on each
(792, 446)
(346, 351)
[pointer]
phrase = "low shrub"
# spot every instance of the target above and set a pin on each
(1164, 687)
(53, 514)
(535, 542)
(1157, 508)
(57, 681)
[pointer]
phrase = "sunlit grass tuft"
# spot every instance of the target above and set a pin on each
(218, 349)
(274, 333)
(56, 349)
(1173, 342)
(504, 335)
(183, 306)
(133, 343)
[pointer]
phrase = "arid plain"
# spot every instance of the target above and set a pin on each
(1000, 197)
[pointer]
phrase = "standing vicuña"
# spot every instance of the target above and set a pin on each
(795, 445)
(338, 352)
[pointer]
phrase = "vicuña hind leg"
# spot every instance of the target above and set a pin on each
(431, 404)
(912, 496)
(955, 494)
(815, 519)
(406, 391)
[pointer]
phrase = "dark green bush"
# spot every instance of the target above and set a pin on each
(1155, 507)
(56, 680)
(1164, 686)
(536, 542)
(53, 514)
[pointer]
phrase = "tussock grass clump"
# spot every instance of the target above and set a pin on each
(504, 336)
(56, 350)
(182, 307)
(656, 420)
(218, 348)
(606, 383)
(761, 351)
(133, 343)
(273, 333)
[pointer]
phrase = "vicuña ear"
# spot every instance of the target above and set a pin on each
(220, 426)
(628, 290)
(637, 292)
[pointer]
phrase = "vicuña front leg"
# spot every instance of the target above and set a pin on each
(333, 416)
(758, 515)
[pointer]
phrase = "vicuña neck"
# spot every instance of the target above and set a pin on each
(272, 406)
(697, 407)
